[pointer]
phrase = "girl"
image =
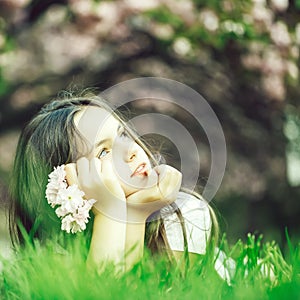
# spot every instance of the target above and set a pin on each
(137, 201)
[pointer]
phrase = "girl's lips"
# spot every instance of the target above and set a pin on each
(140, 170)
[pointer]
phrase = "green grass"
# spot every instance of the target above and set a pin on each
(50, 272)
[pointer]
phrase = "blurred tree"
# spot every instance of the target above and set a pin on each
(242, 56)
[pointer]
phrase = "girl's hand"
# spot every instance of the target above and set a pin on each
(144, 202)
(97, 180)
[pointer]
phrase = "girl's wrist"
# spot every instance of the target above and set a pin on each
(136, 214)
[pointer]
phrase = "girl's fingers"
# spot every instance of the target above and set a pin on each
(169, 181)
(83, 169)
(71, 174)
(161, 170)
(110, 180)
(95, 168)
(107, 169)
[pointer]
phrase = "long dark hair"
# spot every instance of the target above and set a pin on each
(48, 140)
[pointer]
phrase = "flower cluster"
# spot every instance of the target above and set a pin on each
(71, 207)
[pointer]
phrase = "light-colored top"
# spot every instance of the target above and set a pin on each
(198, 226)
(197, 223)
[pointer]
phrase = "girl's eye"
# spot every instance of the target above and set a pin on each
(103, 153)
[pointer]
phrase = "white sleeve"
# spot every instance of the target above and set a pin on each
(197, 222)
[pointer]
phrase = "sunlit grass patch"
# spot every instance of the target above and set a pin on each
(51, 272)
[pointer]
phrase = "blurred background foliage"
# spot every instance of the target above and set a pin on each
(242, 56)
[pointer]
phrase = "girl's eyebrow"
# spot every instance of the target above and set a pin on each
(106, 140)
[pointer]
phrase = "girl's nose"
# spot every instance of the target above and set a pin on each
(131, 154)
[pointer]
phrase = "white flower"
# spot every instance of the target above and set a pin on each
(82, 214)
(81, 218)
(66, 223)
(56, 183)
(76, 227)
(61, 211)
(70, 224)
(70, 205)
(72, 198)
(86, 207)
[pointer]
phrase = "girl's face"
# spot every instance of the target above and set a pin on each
(109, 141)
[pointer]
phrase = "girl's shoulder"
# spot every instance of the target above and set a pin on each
(196, 220)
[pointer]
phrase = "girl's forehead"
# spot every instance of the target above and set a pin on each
(95, 122)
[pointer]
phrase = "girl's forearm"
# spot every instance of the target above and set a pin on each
(135, 234)
(116, 241)
(108, 241)
(134, 245)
